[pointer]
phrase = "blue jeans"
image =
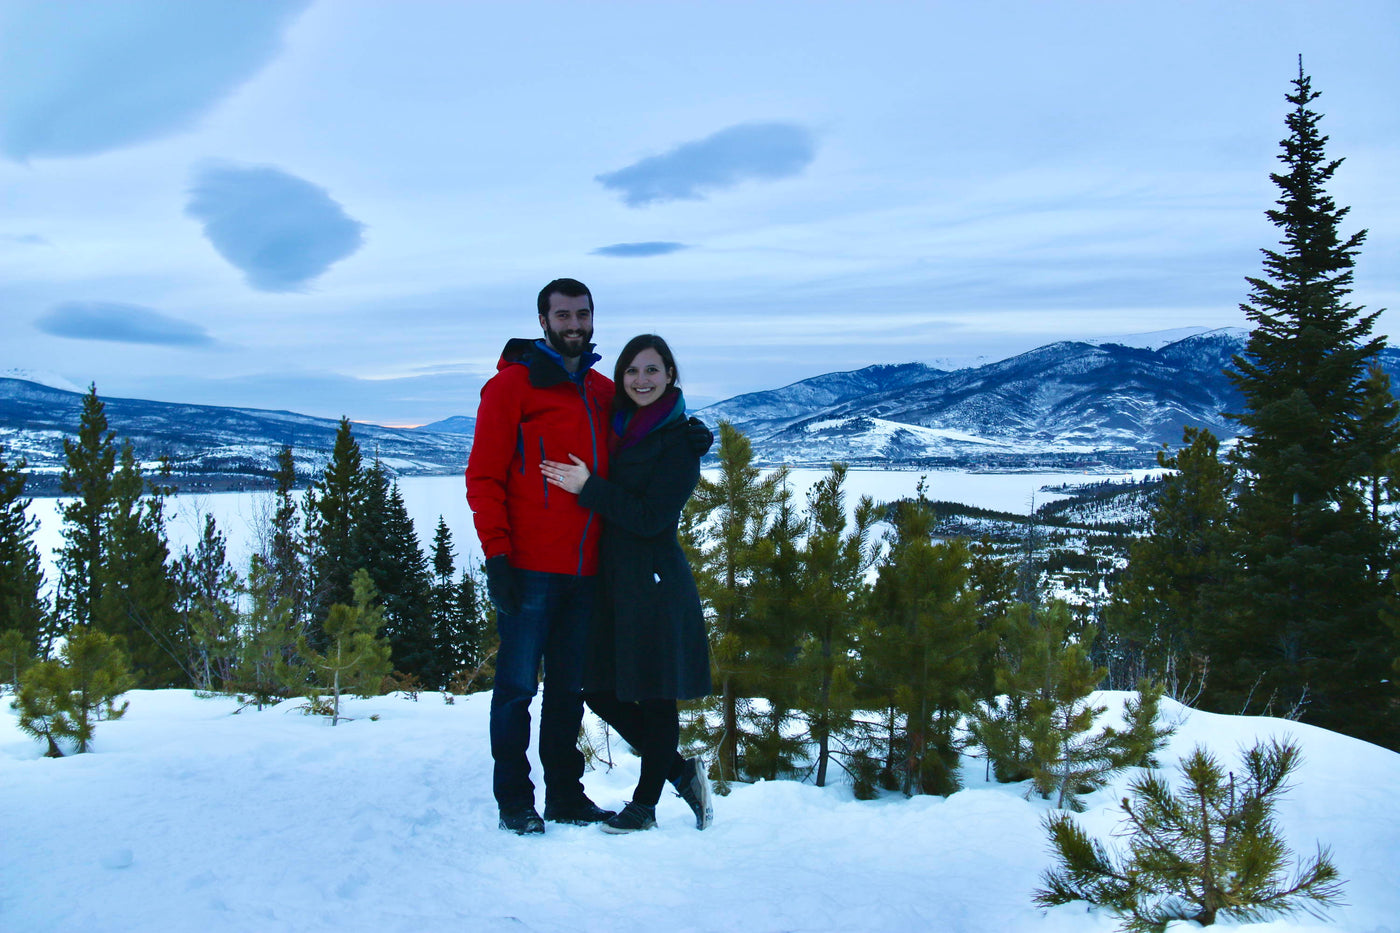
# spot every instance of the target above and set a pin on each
(552, 625)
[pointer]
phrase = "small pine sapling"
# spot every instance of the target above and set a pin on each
(65, 698)
(263, 672)
(41, 690)
(99, 672)
(1043, 728)
(1136, 746)
(356, 659)
(1212, 850)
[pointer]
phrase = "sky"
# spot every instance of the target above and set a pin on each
(346, 207)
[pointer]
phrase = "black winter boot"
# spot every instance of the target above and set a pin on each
(634, 817)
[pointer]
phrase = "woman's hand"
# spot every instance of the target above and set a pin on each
(569, 477)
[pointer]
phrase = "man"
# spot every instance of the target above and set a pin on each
(544, 403)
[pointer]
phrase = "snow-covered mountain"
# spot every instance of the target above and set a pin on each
(42, 377)
(457, 424)
(1066, 403)
(208, 440)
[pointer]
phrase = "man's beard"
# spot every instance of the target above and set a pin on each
(569, 347)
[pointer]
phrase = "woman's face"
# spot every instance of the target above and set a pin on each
(645, 378)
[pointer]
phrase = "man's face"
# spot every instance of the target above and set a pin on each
(568, 324)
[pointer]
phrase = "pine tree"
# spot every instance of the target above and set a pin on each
(994, 578)
(206, 589)
(1212, 850)
(834, 560)
(64, 699)
(723, 522)
(333, 504)
(445, 609)
(265, 667)
(355, 659)
(23, 608)
(136, 595)
(405, 589)
(87, 478)
(1165, 599)
(769, 636)
(1301, 630)
(1042, 726)
(1136, 746)
(16, 657)
(921, 646)
(458, 614)
(282, 553)
(39, 695)
(1068, 757)
(471, 650)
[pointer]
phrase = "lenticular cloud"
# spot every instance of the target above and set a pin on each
(749, 151)
(280, 230)
(120, 323)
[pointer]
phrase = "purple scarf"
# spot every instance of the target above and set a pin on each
(630, 427)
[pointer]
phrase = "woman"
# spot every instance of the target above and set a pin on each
(648, 647)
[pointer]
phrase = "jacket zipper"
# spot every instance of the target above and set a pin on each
(542, 478)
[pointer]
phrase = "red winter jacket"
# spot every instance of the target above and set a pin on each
(532, 411)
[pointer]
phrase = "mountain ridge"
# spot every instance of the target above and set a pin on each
(1076, 404)
(224, 445)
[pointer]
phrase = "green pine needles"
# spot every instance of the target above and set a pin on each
(62, 700)
(1212, 848)
(1044, 726)
(356, 660)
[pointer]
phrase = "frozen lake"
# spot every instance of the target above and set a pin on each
(240, 514)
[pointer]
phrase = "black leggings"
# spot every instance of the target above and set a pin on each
(653, 728)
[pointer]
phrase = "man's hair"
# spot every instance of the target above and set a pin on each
(569, 288)
(629, 353)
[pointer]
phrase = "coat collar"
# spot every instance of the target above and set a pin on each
(545, 365)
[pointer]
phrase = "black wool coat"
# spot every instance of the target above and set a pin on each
(648, 635)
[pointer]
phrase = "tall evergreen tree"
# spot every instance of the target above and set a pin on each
(1302, 628)
(444, 608)
(87, 478)
(474, 645)
(768, 638)
(406, 591)
(136, 595)
(834, 559)
(922, 646)
(282, 553)
(1165, 599)
(722, 524)
(206, 594)
(333, 504)
(23, 607)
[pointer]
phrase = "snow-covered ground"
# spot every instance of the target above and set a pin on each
(187, 817)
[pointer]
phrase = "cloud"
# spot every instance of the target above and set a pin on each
(280, 230)
(759, 151)
(639, 250)
(89, 78)
(23, 239)
(120, 323)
